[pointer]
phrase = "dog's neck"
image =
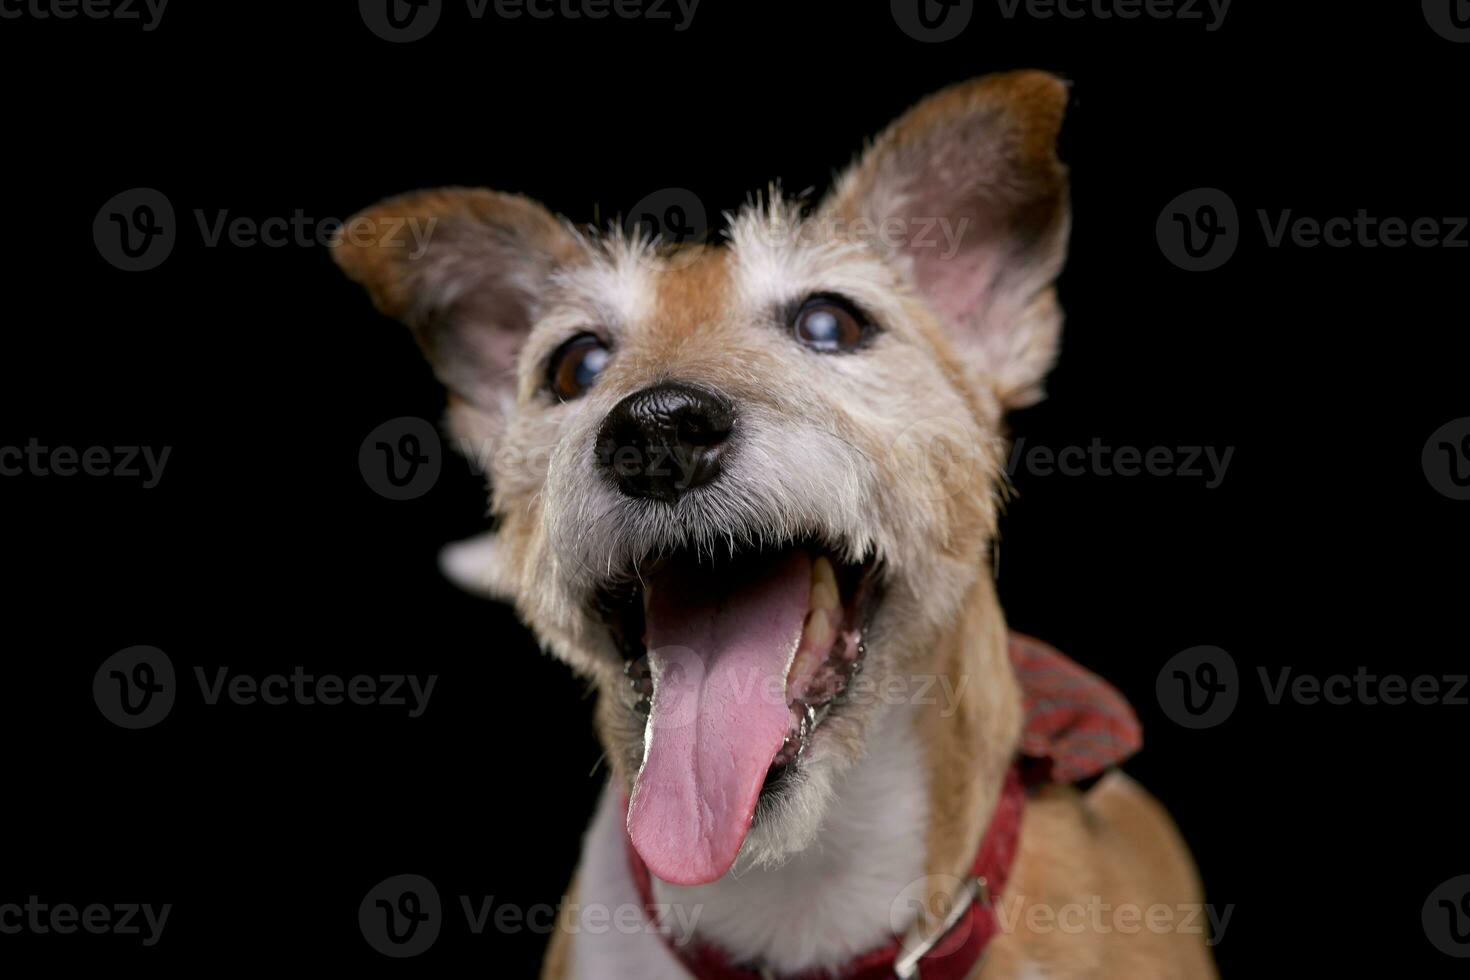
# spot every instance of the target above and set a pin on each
(905, 820)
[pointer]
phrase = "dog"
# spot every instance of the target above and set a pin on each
(750, 488)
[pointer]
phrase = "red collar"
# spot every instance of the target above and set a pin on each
(1076, 726)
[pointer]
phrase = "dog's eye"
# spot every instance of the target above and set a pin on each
(826, 323)
(576, 364)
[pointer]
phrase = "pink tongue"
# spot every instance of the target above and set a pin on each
(719, 654)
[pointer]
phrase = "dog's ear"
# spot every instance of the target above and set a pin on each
(464, 269)
(965, 190)
(478, 566)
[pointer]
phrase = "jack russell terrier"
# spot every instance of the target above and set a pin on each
(750, 490)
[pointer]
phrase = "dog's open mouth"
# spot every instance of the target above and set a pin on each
(737, 660)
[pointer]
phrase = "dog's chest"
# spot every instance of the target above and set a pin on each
(829, 903)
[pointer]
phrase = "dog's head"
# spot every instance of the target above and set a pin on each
(732, 479)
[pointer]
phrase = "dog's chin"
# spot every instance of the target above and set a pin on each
(793, 807)
(789, 817)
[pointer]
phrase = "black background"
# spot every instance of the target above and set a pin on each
(1325, 548)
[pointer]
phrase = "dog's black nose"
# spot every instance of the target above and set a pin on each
(662, 441)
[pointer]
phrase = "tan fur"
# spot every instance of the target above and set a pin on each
(558, 960)
(897, 450)
(1115, 843)
(372, 248)
(977, 740)
(692, 297)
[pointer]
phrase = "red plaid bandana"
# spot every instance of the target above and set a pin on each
(1076, 725)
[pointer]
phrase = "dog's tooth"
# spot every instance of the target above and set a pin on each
(817, 634)
(824, 585)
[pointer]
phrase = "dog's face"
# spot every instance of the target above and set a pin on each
(734, 481)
